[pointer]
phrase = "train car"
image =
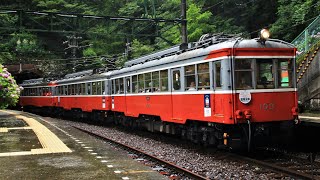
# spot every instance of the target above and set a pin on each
(222, 90)
(37, 94)
(79, 95)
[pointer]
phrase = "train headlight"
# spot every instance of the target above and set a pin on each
(264, 34)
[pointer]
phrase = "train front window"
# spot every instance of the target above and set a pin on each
(284, 73)
(265, 75)
(243, 73)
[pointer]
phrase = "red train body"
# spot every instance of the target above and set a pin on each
(198, 94)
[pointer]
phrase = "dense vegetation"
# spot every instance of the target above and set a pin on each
(285, 18)
(9, 90)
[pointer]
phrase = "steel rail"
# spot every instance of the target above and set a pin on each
(171, 165)
(275, 168)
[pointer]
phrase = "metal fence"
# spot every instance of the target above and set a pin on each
(309, 37)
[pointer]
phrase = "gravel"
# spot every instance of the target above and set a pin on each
(211, 165)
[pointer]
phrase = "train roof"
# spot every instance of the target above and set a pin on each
(196, 51)
(202, 50)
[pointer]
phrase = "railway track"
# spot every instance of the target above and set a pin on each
(295, 167)
(164, 167)
(278, 167)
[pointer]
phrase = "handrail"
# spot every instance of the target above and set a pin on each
(307, 38)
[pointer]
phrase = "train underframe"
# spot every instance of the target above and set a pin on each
(239, 137)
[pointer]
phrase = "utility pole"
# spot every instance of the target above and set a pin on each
(73, 45)
(184, 33)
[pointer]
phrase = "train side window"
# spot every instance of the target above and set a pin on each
(65, 90)
(155, 81)
(83, 88)
(176, 82)
(40, 92)
(190, 78)
(62, 90)
(265, 77)
(285, 73)
(135, 87)
(148, 83)
(141, 83)
(78, 89)
(73, 89)
(117, 84)
(243, 73)
(164, 80)
(94, 88)
(128, 85)
(113, 88)
(121, 86)
(89, 88)
(99, 87)
(103, 87)
(69, 89)
(203, 76)
(217, 74)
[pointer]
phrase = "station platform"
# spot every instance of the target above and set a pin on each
(310, 119)
(34, 147)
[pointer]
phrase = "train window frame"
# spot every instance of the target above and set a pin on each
(289, 69)
(147, 82)
(217, 71)
(113, 86)
(164, 80)
(155, 81)
(135, 84)
(128, 85)
(73, 89)
(121, 85)
(190, 77)
(141, 84)
(99, 88)
(265, 80)
(103, 87)
(117, 86)
(246, 82)
(78, 89)
(89, 88)
(83, 89)
(69, 89)
(94, 87)
(176, 85)
(202, 72)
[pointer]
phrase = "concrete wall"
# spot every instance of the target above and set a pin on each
(309, 85)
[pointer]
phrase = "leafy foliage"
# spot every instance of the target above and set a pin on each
(293, 17)
(286, 18)
(9, 90)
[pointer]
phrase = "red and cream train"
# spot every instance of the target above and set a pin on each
(223, 90)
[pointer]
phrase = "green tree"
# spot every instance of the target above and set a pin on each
(293, 17)
(138, 49)
(9, 90)
(198, 24)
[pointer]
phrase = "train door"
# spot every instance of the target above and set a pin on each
(127, 91)
(218, 97)
(176, 96)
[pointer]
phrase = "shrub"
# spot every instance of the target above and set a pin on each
(9, 90)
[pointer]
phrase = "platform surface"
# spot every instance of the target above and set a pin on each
(34, 147)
